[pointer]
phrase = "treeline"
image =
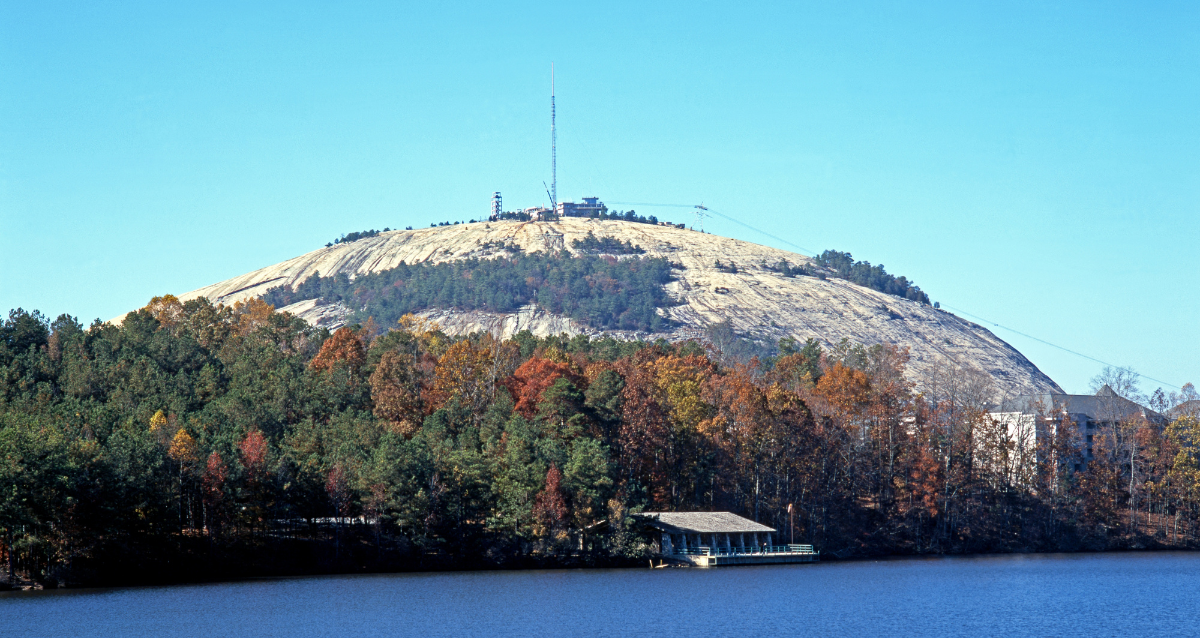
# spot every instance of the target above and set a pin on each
(356, 235)
(623, 216)
(200, 441)
(605, 245)
(603, 214)
(601, 292)
(843, 266)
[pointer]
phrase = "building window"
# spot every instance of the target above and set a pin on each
(1090, 439)
(1077, 467)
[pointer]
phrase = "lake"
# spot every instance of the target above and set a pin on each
(1043, 595)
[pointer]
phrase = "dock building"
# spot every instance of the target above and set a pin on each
(711, 539)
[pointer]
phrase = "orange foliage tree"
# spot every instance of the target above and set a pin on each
(345, 347)
(645, 430)
(533, 377)
(251, 315)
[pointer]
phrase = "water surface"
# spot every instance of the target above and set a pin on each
(1038, 595)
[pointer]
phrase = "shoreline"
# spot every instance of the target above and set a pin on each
(631, 564)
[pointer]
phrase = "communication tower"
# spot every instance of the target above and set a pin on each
(553, 148)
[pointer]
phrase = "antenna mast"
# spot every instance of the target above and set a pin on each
(553, 149)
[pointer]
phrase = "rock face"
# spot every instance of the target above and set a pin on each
(759, 302)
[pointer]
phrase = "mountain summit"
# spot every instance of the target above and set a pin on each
(711, 280)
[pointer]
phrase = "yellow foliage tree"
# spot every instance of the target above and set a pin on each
(183, 448)
(680, 380)
(428, 333)
(463, 371)
(157, 421)
(167, 310)
(1184, 432)
(417, 325)
(396, 391)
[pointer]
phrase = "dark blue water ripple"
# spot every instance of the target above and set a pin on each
(1142, 594)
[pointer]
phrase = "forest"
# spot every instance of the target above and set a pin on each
(598, 291)
(197, 441)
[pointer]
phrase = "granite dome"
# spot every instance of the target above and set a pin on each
(758, 301)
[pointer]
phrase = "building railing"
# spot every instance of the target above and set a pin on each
(705, 550)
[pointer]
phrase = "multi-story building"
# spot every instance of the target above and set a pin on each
(1029, 419)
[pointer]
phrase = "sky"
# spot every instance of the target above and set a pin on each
(1036, 164)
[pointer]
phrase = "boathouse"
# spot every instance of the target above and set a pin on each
(709, 539)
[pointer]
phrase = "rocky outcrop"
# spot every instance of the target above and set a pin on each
(756, 300)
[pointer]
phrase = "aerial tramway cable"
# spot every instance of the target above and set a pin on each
(1054, 345)
(805, 251)
(811, 253)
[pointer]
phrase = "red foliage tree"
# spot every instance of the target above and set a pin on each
(254, 453)
(550, 507)
(213, 482)
(338, 488)
(215, 473)
(645, 431)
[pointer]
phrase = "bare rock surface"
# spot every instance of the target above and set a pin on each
(759, 302)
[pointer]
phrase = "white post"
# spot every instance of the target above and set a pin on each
(756, 545)
(769, 543)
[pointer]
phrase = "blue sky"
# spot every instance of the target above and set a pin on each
(1037, 164)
